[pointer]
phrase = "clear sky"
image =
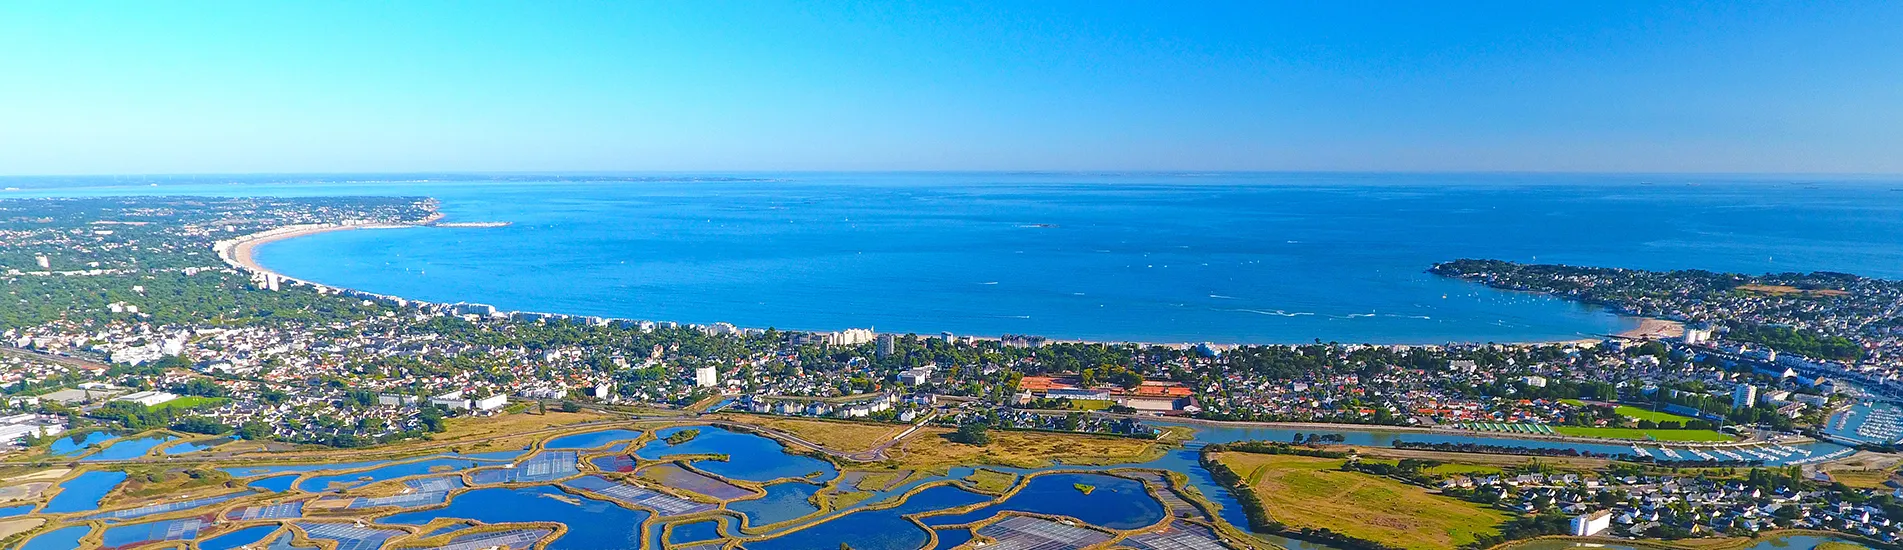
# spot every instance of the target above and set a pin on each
(205, 87)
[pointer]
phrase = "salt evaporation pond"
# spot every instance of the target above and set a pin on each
(75, 443)
(592, 524)
(591, 440)
(749, 457)
(235, 539)
(783, 502)
(62, 539)
(184, 447)
(1114, 502)
(129, 449)
(875, 529)
(358, 479)
(694, 532)
(82, 493)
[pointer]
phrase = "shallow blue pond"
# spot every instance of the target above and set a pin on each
(235, 539)
(393, 471)
(875, 529)
(783, 501)
(276, 484)
(1115, 502)
(951, 538)
(141, 533)
(750, 457)
(73, 444)
(195, 446)
(606, 525)
(591, 440)
(62, 539)
(82, 493)
(129, 449)
(694, 532)
(11, 511)
(263, 470)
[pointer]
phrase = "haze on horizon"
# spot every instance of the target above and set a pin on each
(233, 87)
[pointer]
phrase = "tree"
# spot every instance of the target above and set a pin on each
(973, 434)
(570, 406)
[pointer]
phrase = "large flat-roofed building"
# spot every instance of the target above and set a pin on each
(1587, 525)
(147, 398)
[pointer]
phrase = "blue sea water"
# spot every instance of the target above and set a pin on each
(1144, 257)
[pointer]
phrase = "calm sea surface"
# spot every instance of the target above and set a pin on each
(1146, 257)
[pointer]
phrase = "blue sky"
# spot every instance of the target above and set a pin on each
(247, 87)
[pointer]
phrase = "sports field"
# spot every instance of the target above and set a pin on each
(1642, 434)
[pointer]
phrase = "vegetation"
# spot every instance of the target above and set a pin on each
(1313, 498)
(1641, 433)
(1083, 488)
(972, 434)
(142, 483)
(1801, 342)
(682, 436)
(1639, 414)
(1020, 449)
(839, 435)
(991, 481)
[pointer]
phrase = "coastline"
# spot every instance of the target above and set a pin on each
(240, 253)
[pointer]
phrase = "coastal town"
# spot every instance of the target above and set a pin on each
(137, 314)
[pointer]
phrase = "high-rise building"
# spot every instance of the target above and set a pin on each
(1744, 396)
(706, 377)
(887, 344)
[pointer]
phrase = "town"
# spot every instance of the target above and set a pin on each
(132, 314)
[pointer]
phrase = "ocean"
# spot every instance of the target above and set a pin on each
(1224, 257)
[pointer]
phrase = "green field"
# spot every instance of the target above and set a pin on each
(1313, 492)
(1635, 433)
(189, 402)
(1091, 404)
(1636, 413)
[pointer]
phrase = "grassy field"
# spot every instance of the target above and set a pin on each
(1636, 413)
(836, 435)
(1465, 470)
(874, 481)
(929, 448)
(189, 402)
(1636, 433)
(991, 481)
(1091, 404)
(146, 482)
(1312, 492)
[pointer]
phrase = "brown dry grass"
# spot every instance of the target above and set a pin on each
(837, 435)
(930, 448)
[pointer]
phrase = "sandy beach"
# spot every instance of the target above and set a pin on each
(241, 252)
(1655, 329)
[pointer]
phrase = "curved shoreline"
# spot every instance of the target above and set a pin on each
(240, 253)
